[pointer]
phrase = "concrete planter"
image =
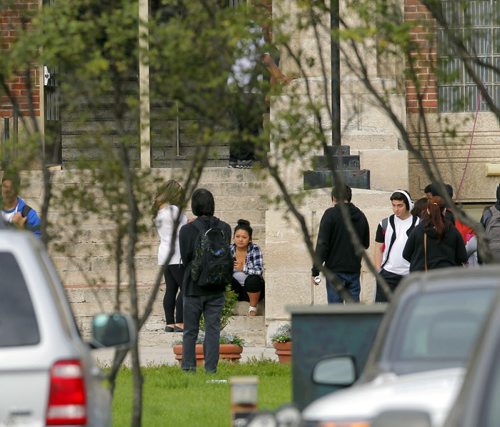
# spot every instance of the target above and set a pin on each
(283, 351)
(228, 352)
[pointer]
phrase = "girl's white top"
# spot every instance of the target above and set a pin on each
(164, 222)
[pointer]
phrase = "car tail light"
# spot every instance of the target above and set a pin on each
(67, 399)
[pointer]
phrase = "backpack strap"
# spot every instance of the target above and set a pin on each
(393, 239)
(384, 224)
(199, 226)
(413, 222)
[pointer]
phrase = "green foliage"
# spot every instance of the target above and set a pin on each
(172, 397)
(227, 338)
(283, 333)
(230, 301)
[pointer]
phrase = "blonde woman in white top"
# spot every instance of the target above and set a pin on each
(166, 211)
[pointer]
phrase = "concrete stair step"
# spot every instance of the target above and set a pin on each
(86, 302)
(251, 329)
(238, 195)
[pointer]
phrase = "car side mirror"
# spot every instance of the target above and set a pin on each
(113, 330)
(402, 417)
(336, 370)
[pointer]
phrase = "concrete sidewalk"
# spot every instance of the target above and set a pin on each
(163, 354)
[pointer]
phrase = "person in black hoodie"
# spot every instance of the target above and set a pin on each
(335, 249)
(199, 300)
(435, 242)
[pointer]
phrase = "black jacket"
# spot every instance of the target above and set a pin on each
(187, 238)
(448, 252)
(334, 248)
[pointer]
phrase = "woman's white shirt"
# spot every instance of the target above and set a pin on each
(164, 222)
(240, 277)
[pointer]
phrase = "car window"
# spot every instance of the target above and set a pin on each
(438, 330)
(18, 323)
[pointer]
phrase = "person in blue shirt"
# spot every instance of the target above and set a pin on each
(14, 208)
(247, 282)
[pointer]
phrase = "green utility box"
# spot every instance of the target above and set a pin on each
(325, 330)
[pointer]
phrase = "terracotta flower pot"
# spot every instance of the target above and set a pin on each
(284, 351)
(228, 352)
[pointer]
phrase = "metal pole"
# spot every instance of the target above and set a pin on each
(15, 125)
(144, 95)
(313, 235)
(335, 66)
(6, 129)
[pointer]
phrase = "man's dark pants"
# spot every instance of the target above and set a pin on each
(392, 280)
(211, 308)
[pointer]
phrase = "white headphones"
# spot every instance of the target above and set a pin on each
(404, 193)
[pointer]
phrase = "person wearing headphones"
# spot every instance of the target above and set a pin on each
(390, 240)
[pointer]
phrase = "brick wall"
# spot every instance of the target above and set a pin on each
(425, 58)
(12, 18)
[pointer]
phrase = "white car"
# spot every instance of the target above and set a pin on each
(47, 373)
(477, 401)
(430, 391)
(417, 360)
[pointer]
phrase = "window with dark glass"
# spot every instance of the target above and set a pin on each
(477, 25)
(18, 323)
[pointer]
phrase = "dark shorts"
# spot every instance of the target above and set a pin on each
(253, 283)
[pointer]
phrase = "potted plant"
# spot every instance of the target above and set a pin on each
(282, 342)
(231, 346)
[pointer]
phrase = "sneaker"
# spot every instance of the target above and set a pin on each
(245, 164)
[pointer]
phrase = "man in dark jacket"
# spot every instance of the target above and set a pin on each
(335, 248)
(200, 300)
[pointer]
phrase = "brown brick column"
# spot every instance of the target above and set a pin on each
(425, 58)
(12, 19)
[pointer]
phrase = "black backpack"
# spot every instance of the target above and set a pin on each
(212, 265)
(493, 233)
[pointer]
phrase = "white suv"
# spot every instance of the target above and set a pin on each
(47, 373)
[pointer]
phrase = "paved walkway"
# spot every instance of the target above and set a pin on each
(155, 355)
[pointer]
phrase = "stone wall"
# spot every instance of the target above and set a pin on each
(288, 263)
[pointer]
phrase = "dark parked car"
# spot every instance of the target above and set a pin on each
(47, 373)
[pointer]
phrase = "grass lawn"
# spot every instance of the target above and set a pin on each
(175, 398)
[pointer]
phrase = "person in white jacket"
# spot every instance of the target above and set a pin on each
(166, 213)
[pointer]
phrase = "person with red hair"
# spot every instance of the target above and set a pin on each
(435, 242)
